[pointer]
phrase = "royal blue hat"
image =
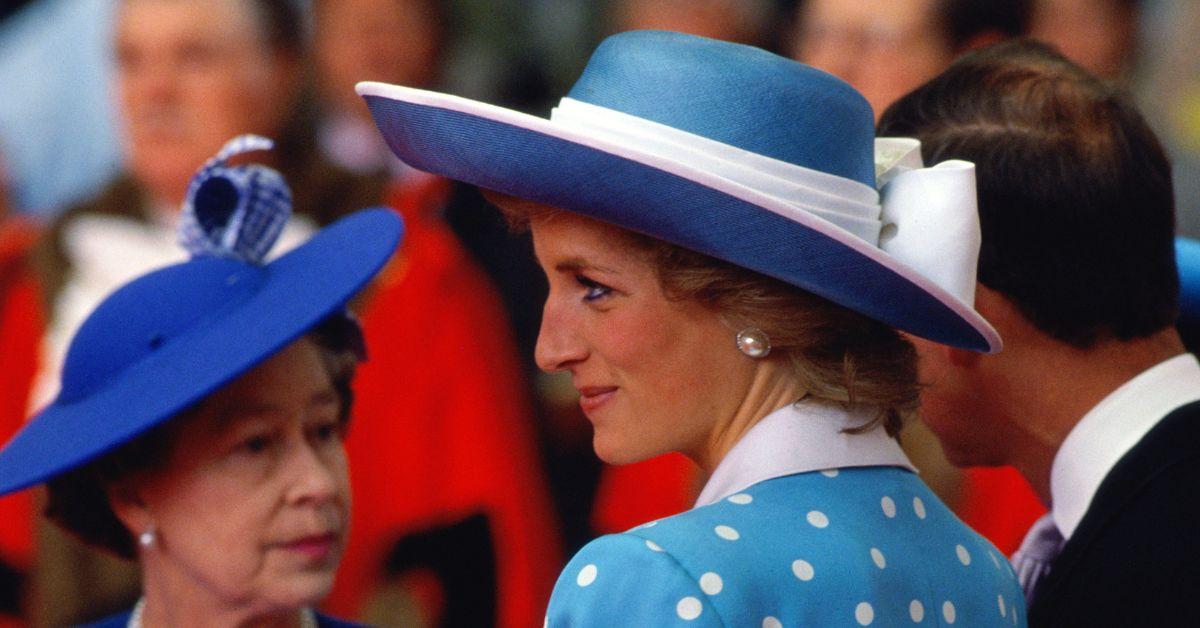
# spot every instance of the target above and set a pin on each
(733, 152)
(169, 338)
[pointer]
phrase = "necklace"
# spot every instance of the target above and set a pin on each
(308, 617)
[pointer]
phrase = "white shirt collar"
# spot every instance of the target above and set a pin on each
(1111, 429)
(798, 438)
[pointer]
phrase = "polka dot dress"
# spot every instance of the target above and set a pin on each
(852, 547)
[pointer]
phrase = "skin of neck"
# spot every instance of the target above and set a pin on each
(174, 598)
(1039, 388)
(771, 386)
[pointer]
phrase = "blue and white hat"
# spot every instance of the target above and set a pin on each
(733, 152)
(167, 339)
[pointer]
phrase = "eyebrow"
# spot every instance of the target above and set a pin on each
(229, 414)
(575, 264)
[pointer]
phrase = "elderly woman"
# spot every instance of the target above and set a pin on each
(727, 282)
(199, 425)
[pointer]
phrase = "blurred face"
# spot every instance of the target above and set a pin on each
(191, 74)
(1097, 35)
(717, 19)
(883, 49)
(654, 376)
(252, 507)
(394, 41)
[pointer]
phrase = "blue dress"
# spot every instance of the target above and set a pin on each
(855, 546)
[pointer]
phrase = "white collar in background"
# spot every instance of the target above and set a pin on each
(1111, 429)
(798, 438)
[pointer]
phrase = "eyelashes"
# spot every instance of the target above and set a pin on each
(593, 290)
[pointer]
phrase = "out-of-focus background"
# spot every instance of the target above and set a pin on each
(473, 474)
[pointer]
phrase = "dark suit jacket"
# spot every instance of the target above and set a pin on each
(1134, 560)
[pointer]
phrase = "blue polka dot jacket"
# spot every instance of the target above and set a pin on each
(857, 541)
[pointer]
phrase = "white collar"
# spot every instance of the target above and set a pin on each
(798, 438)
(1109, 430)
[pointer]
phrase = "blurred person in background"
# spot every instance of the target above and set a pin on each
(453, 523)
(885, 49)
(1099, 35)
(401, 41)
(1094, 398)
(741, 21)
(190, 74)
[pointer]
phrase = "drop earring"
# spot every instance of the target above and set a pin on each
(754, 342)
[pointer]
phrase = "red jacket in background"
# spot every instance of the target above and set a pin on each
(442, 427)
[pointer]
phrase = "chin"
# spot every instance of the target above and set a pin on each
(615, 452)
(303, 590)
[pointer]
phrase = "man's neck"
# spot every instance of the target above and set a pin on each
(1059, 385)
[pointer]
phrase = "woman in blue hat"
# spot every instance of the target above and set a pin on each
(734, 261)
(199, 426)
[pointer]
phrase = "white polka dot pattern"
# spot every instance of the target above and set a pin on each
(830, 473)
(689, 608)
(751, 559)
(949, 613)
(916, 611)
(864, 614)
(803, 570)
(711, 583)
(586, 576)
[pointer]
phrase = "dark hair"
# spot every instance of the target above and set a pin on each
(962, 20)
(78, 501)
(1075, 198)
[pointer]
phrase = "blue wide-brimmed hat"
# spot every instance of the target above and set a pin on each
(166, 340)
(733, 152)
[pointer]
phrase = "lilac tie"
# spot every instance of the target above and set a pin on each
(1032, 562)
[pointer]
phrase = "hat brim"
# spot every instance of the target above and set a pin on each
(298, 290)
(532, 158)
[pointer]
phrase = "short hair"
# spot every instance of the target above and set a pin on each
(1075, 197)
(962, 20)
(78, 501)
(836, 353)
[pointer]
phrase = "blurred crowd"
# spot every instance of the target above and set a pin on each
(472, 474)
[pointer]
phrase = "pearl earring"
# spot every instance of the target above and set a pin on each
(753, 342)
(147, 538)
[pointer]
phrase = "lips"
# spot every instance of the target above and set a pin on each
(315, 547)
(591, 398)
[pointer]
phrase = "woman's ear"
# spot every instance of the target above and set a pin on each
(126, 502)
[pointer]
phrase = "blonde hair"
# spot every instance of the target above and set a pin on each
(836, 353)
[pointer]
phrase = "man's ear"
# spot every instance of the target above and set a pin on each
(961, 358)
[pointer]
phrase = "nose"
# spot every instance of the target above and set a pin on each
(315, 475)
(559, 345)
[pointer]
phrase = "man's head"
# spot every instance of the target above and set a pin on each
(1077, 214)
(193, 73)
(885, 49)
(393, 41)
